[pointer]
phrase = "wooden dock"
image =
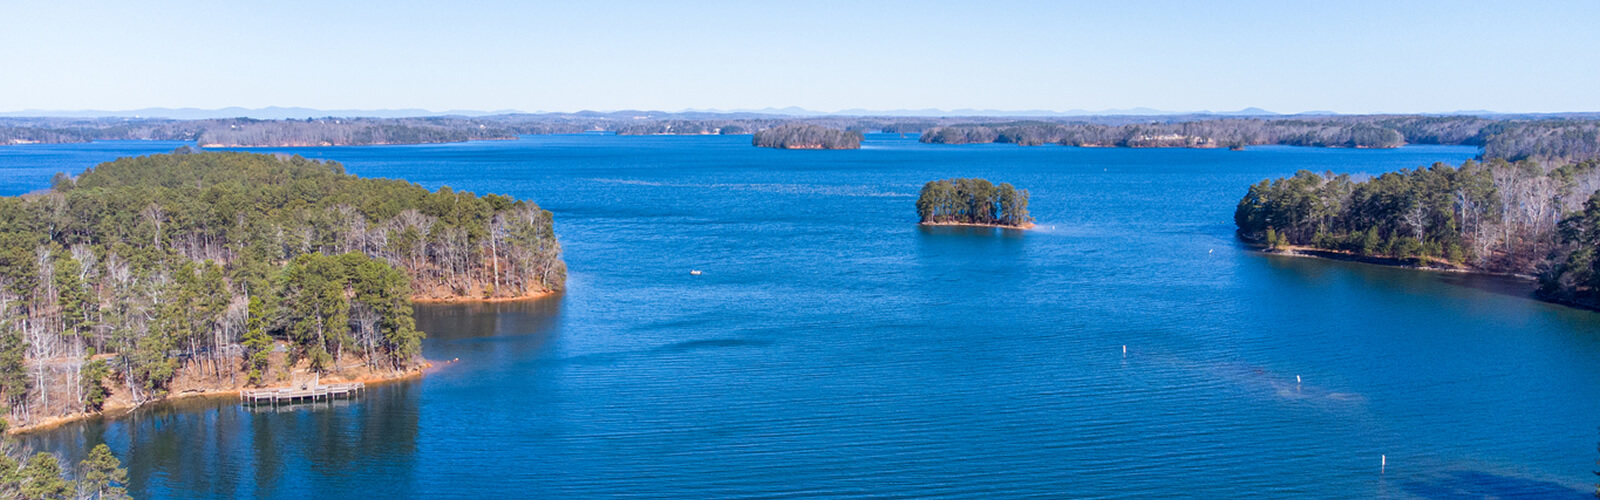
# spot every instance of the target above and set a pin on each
(304, 394)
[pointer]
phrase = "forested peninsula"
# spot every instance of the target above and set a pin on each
(1525, 217)
(973, 202)
(192, 272)
(806, 136)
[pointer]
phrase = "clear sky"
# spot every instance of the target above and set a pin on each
(1286, 56)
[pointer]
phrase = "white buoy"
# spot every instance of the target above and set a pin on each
(1296, 379)
(1383, 466)
(695, 272)
(1124, 350)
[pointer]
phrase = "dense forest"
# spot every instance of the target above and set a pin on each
(224, 269)
(1514, 217)
(973, 201)
(806, 136)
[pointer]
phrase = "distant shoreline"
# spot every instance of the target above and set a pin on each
(330, 144)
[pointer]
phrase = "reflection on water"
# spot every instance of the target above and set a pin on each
(466, 320)
(216, 447)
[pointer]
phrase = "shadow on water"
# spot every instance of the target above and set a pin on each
(1319, 270)
(999, 233)
(714, 343)
(969, 242)
(1480, 484)
(521, 329)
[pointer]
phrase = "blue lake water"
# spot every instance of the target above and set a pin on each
(833, 348)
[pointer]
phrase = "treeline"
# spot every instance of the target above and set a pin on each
(806, 136)
(973, 201)
(1556, 141)
(345, 132)
(1202, 134)
(195, 266)
(1500, 216)
(693, 127)
(1550, 138)
(246, 132)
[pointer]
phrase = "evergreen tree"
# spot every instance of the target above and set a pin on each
(257, 345)
(42, 479)
(103, 475)
(94, 373)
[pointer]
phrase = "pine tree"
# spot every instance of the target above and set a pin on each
(41, 479)
(103, 475)
(94, 372)
(257, 345)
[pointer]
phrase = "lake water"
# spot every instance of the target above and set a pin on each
(833, 348)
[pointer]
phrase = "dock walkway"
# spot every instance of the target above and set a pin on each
(310, 393)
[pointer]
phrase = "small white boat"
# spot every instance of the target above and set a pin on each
(695, 272)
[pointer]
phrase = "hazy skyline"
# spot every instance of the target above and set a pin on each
(1357, 57)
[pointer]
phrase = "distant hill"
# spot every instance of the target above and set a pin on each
(300, 113)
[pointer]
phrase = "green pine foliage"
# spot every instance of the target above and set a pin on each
(201, 262)
(42, 479)
(103, 475)
(973, 201)
(93, 378)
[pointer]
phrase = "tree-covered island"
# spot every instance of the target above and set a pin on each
(1495, 216)
(975, 202)
(806, 136)
(181, 272)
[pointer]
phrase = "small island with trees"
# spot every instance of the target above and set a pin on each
(806, 136)
(973, 202)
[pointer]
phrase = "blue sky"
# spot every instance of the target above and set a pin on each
(1285, 56)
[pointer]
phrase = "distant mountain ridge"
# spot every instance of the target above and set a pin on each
(267, 113)
(296, 113)
(300, 113)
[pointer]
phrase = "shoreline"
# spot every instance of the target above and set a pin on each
(1317, 253)
(119, 410)
(1386, 262)
(421, 299)
(1024, 227)
(1402, 263)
